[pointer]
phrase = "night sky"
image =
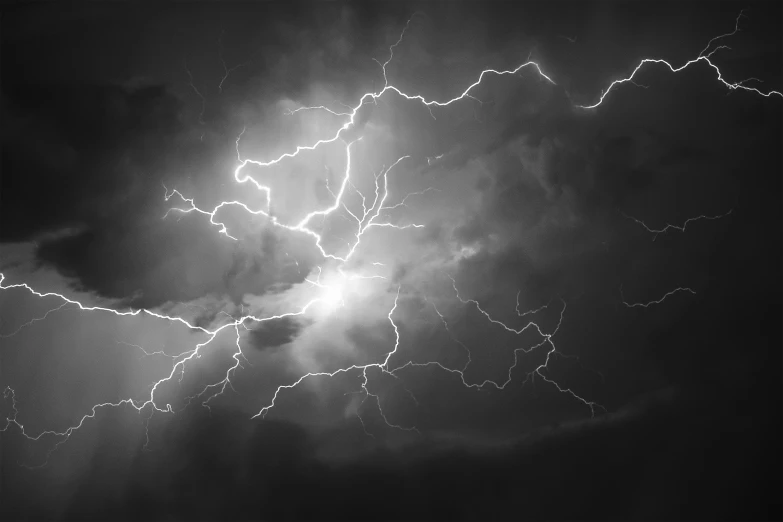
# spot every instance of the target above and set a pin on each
(512, 306)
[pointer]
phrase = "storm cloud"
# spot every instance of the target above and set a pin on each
(360, 387)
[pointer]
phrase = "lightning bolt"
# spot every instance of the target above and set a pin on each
(226, 70)
(540, 370)
(702, 57)
(32, 321)
(529, 312)
(362, 369)
(177, 369)
(149, 354)
(367, 219)
(681, 228)
(659, 301)
(198, 93)
(373, 96)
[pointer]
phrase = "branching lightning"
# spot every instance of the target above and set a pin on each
(149, 354)
(373, 214)
(177, 369)
(702, 57)
(32, 321)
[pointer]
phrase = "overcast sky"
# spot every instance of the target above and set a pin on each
(582, 306)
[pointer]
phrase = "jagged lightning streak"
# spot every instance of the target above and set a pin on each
(226, 70)
(177, 369)
(453, 337)
(529, 63)
(291, 112)
(700, 58)
(100, 308)
(352, 114)
(372, 96)
(382, 366)
(650, 303)
(681, 228)
(530, 312)
(539, 370)
(193, 208)
(547, 339)
(466, 94)
(149, 354)
(735, 31)
(226, 380)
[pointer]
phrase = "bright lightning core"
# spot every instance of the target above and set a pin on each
(333, 297)
(332, 289)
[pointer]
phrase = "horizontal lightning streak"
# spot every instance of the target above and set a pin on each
(681, 228)
(700, 58)
(530, 312)
(659, 301)
(368, 219)
(177, 368)
(384, 367)
(32, 321)
(148, 354)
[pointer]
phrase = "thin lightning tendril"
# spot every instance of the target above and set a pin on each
(702, 57)
(650, 303)
(198, 93)
(177, 369)
(681, 228)
(32, 321)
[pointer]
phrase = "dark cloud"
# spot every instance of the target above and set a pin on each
(273, 334)
(72, 156)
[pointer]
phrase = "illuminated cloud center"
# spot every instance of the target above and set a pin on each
(333, 296)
